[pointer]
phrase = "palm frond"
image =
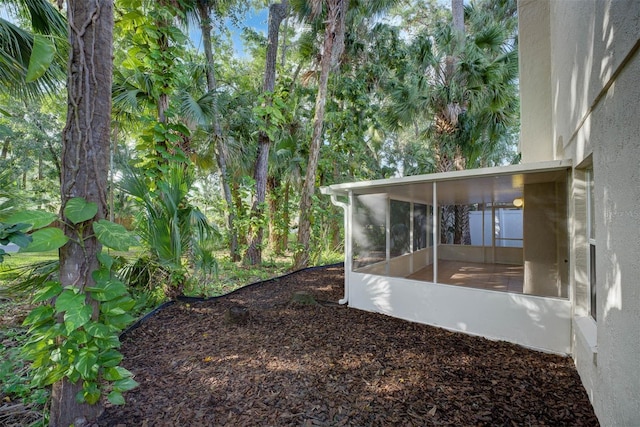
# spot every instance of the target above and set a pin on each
(28, 279)
(16, 45)
(198, 110)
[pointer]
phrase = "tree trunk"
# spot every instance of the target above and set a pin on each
(85, 159)
(40, 167)
(452, 216)
(5, 149)
(275, 202)
(204, 9)
(457, 10)
(221, 160)
(253, 255)
(54, 158)
(163, 47)
(334, 24)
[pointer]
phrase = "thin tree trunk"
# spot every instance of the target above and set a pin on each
(283, 51)
(274, 208)
(85, 159)
(279, 219)
(457, 10)
(253, 255)
(163, 47)
(204, 9)
(5, 149)
(453, 215)
(112, 154)
(335, 22)
(54, 158)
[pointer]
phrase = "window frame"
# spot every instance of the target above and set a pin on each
(591, 242)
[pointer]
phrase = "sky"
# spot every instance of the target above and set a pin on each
(254, 19)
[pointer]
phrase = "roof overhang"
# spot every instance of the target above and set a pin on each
(486, 185)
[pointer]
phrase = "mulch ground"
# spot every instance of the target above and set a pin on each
(292, 364)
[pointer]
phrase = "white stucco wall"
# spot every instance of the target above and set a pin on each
(535, 322)
(595, 93)
(535, 80)
(615, 136)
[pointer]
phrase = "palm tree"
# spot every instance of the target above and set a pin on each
(463, 85)
(87, 131)
(204, 11)
(41, 45)
(335, 16)
(170, 228)
(253, 255)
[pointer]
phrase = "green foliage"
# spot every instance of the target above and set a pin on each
(170, 227)
(80, 348)
(13, 233)
(42, 55)
(161, 144)
(271, 111)
(15, 375)
(77, 336)
(37, 219)
(32, 52)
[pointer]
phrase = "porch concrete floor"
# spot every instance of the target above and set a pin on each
(497, 277)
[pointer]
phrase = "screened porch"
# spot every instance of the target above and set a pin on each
(481, 251)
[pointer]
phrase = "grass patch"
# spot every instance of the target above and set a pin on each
(17, 263)
(231, 275)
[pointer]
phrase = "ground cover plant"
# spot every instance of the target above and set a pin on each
(22, 404)
(290, 363)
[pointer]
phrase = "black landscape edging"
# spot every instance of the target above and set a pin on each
(144, 318)
(203, 299)
(273, 279)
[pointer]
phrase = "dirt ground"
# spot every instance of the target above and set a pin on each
(295, 364)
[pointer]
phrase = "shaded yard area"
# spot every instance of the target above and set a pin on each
(327, 365)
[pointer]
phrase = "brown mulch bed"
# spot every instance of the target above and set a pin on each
(292, 364)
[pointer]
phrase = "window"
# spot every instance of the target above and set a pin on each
(368, 234)
(420, 222)
(400, 228)
(591, 238)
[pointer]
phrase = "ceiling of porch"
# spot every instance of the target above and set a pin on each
(488, 185)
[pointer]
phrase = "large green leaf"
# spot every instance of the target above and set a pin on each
(38, 315)
(78, 210)
(110, 358)
(48, 291)
(113, 236)
(116, 373)
(125, 384)
(14, 233)
(98, 330)
(42, 54)
(46, 240)
(107, 290)
(21, 239)
(76, 318)
(69, 300)
(115, 398)
(37, 219)
(86, 363)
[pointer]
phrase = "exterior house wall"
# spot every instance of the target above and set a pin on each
(594, 81)
(532, 321)
(535, 80)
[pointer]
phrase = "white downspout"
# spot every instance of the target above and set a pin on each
(347, 245)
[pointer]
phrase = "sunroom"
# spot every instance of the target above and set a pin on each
(481, 251)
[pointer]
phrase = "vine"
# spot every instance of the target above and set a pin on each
(76, 334)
